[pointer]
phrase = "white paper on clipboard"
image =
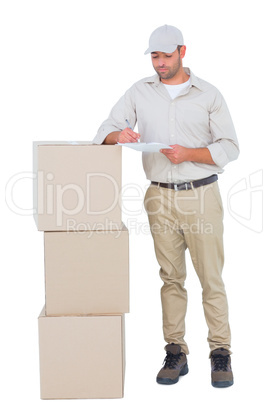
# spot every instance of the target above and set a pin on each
(145, 147)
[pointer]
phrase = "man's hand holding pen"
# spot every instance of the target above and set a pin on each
(128, 135)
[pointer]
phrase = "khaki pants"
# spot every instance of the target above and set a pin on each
(190, 219)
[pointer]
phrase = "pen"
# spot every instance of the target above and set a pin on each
(129, 126)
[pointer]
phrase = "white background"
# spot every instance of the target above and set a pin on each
(63, 66)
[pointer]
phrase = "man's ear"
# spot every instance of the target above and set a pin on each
(182, 51)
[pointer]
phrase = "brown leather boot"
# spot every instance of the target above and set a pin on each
(175, 364)
(221, 370)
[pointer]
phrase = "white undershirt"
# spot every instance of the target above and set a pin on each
(176, 90)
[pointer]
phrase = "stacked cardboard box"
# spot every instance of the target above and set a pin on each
(81, 328)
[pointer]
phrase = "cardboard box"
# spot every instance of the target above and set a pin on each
(87, 272)
(77, 186)
(81, 357)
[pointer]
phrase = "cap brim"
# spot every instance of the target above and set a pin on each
(161, 48)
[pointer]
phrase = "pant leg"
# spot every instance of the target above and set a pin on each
(203, 232)
(170, 247)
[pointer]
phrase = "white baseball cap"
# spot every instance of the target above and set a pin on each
(165, 39)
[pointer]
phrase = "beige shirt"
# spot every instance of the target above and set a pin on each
(197, 118)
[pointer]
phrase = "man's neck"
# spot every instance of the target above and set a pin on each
(179, 78)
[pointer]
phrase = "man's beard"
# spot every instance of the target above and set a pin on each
(171, 71)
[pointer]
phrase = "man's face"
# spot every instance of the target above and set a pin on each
(167, 65)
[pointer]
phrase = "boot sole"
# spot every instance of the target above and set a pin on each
(222, 384)
(170, 381)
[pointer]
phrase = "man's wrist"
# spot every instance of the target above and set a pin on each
(112, 138)
(199, 155)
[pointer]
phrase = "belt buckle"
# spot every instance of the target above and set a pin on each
(189, 185)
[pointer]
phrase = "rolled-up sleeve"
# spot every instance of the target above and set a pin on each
(123, 109)
(225, 147)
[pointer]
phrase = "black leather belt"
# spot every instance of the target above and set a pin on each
(188, 185)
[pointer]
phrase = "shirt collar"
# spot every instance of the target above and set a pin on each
(194, 81)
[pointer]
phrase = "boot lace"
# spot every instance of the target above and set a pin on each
(171, 360)
(220, 362)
